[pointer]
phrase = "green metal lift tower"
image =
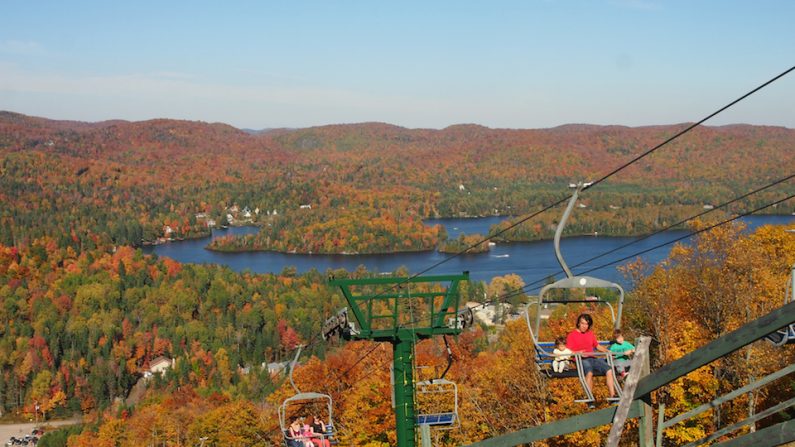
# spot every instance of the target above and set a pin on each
(402, 311)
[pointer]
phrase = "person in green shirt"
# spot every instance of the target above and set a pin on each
(621, 349)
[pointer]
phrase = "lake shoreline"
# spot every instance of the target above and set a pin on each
(533, 260)
(441, 220)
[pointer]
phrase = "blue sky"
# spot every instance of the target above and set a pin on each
(502, 64)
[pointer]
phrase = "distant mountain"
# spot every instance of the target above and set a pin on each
(575, 151)
(164, 169)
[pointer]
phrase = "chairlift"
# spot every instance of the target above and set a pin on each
(305, 404)
(785, 335)
(464, 318)
(338, 325)
(543, 348)
(442, 411)
(437, 399)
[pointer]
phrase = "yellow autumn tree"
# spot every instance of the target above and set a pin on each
(237, 423)
(721, 280)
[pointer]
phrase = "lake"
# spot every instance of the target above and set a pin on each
(533, 261)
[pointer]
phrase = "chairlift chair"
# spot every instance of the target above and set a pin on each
(338, 325)
(437, 399)
(442, 411)
(300, 400)
(464, 318)
(544, 356)
(785, 335)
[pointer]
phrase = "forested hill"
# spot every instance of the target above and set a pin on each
(553, 155)
(130, 180)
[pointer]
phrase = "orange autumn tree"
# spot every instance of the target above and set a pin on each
(500, 389)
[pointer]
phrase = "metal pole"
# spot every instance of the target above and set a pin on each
(425, 435)
(402, 363)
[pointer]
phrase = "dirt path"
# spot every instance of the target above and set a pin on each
(22, 429)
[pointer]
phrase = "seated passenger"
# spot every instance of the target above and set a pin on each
(295, 435)
(562, 355)
(318, 432)
(583, 340)
(622, 350)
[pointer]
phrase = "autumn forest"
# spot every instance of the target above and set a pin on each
(84, 313)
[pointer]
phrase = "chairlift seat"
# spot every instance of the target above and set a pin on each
(566, 374)
(436, 419)
(544, 361)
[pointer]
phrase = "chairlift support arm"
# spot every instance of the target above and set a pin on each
(292, 368)
(561, 224)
